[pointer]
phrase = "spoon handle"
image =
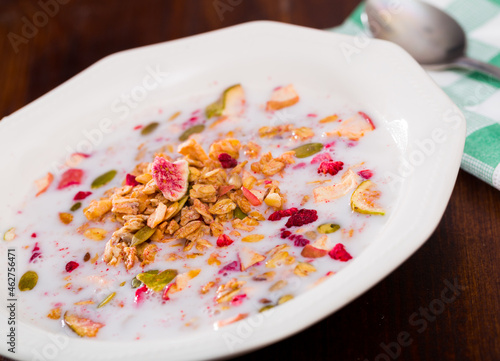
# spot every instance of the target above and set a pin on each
(473, 64)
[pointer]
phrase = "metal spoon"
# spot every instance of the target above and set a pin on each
(431, 36)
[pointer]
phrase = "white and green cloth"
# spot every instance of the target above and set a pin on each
(477, 95)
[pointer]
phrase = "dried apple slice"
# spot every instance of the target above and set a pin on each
(282, 97)
(364, 197)
(329, 193)
(43, 184)
(83, 327)
(248, 258)
(356, 127)
(230, 103)
(171, 178)
(309, 251)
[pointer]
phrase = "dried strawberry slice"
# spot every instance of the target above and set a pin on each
(330, 167)
(81, 195)
(71, 266)
(130, 180)
(224, 240)
(339, 253)
(70, 177)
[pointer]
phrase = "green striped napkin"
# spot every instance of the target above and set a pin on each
(477, 95)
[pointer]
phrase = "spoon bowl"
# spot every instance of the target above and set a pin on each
(428, 34)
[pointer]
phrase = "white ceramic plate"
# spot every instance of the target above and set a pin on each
(426, 125)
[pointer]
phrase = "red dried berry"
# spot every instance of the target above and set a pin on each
(81, 195)
(33, 235)
(224, 240)
(35, 253)
(366, 173)
(285, 234)
(302, 217)
(238, 300)
(322, 157)
(130, 180)
(71, 266)
(299, 240)
(299, 166)
(330, 167)
(70, 177)
(276, 216)
(339, 253)
(227, 161)
(233, 266)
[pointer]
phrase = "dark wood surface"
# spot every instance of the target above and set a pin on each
(465, 248)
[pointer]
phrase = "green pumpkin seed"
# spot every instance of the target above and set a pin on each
(142, 235)
(150, 128)
(103, 179)
(157, 282)
(190, 131)
(328, 228)
(214, 109)
(307, 150)
(265, 308)
(10, 234)
(75, 206)
(238, 213)
(28, 281)
(106, 300)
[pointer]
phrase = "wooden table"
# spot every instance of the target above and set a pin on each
(464, 249)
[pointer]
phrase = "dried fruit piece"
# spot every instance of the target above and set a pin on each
(70, 177)
(248, 258)
(86, 257)
(130, 180)
(339, 253)
(273, 200)
(354, 128)
(103, 179)
(171, 178)
(135, 283)
(227, 161)
(106, 300)
(252, 238)
(252, 198)
(150, 128)
(364, 197)
(223, 241)
(310, 251)
(307, 150)
(276, 216)
(330, 167)
(327, 228)
(28, 281)
(265, 308)
(66, 218)
(230, 103)
(83, 327)
(329, 193)
(282, 97)
(366, 173)
(75, 206)
(222, 323)
(10, 234)
(81, 195)
(157, 282)
(302, 217)
(195, 129)
(43, 184)
(71, 266)
(322, 157)
(142, 235)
